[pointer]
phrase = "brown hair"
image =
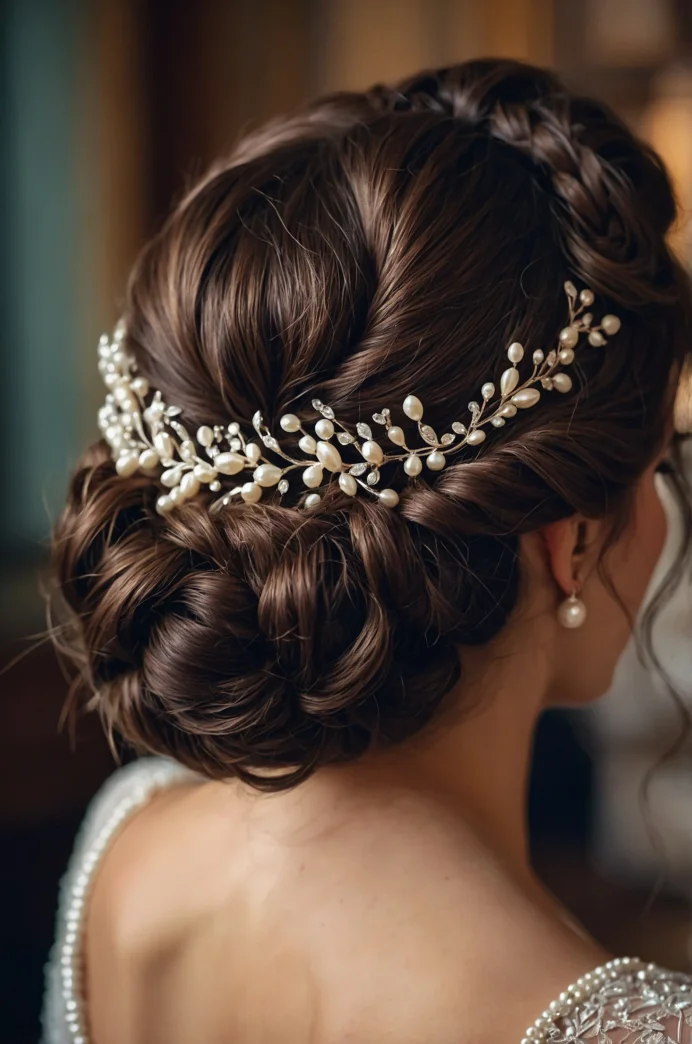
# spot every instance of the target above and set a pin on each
(373, 245)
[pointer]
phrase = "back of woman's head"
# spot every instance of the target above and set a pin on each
(372, 246)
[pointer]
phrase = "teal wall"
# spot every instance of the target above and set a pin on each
(39, 330)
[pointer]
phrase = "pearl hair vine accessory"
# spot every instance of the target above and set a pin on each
(144, 433)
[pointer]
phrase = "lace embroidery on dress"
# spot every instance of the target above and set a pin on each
(624, 1002)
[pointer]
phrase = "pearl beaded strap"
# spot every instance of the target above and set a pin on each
(138, 783)
(145, 434)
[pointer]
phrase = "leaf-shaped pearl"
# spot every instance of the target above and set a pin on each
(229, 463)
(396, 435)
(171, 477)
(526, 398)
(127, 464)
(413, 407)
(163, 444)
(205, 436)
(204, 472)
(312, 476)
(476, 437)
(329, 456)
(308, 444)
(373, 452)
(348, 484)
(189, 484)
(509, 381)
(267, 475)
(148, 459)
(413, 465)
(508, 410)
(563, 382)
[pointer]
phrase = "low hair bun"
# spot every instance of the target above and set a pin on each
(263, 642)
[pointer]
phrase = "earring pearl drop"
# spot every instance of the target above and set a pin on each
(572, 612)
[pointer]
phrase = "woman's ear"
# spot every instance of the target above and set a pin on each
(572, 546)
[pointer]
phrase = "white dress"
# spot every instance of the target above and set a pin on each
(624, 1002)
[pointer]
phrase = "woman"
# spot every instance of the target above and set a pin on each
(424, 342)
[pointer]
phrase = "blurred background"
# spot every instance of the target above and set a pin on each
(107, 109)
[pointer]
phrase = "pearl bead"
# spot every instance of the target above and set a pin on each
(164, 504)
(176, 495)
(476, 437)
(526, 398)
(487, 391)
(171, 477)
(205, 472)
(515, 352)
(229, 463)
(348, 484)
(267, 475)
(611, 324)
(308, 444)
(389, 497)
(141, 386)
(148, 459)
(329, 456)
(127, 464)
(436, 461)
(164, 445)
(312, 500)
(508, 410)
(189, 484)
(205, 436)
(253, 452)
(289, 422)
(586, 297)
(572, 613)
(188, 449)
(596, 339)
(233, 428)
(563, 382)
(396, 435)
(413, 408)
(538, 357)
(313, 475)
(413, 465)
(509, 381)
(251, 492)
(324, 428)
(569, 336)
(566, 356)
(372, 452)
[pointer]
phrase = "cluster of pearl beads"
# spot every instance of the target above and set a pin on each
(144, 437)
(546, 1026)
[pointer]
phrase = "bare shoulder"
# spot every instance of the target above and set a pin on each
(381, 918)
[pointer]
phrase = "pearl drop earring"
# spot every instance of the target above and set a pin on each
(572, 612)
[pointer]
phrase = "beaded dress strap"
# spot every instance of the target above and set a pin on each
(127, 791)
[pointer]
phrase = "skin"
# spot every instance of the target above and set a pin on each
(390, 900)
